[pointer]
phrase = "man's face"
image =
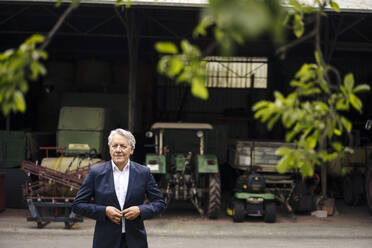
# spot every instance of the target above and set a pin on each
(120, 150)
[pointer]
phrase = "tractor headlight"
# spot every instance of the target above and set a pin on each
(149, 134)
(199, 134)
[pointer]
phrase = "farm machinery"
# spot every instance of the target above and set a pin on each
(182, 168)
(355, 171)
(53, 183)
(259, 186)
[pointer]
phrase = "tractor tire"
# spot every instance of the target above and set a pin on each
(270, 212)
(238, 211)
(214, 197)
(369, 188)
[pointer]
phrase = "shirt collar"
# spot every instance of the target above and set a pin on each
(115, 168)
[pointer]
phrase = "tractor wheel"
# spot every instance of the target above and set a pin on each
(238, 211)
(270, 212)
(214, 197)
(369, 189)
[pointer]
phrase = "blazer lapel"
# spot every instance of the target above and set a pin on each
(132, 179)
(111, 184)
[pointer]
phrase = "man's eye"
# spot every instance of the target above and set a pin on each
(122, 147)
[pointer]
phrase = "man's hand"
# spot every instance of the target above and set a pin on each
(114, 214)
(131, 213)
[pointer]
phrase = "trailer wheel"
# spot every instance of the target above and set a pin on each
(214, 196)
(369, 189)
(270, 212)
(238, 211)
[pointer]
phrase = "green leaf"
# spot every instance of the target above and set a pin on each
(205, 22)
(119, 3)
(342, 105)
(349, 82)
(36, 38)
(198, 89)
(355, 102)
(128, 3)
(219, 35)
(337, 132)
(362, 87)
(282, 151)
(331, 156)
(307, 170)
(337, 146)
(298, 26)
(284, 164)
(311, 142)
(166, 47)
(308, 9)
(19, 101)
(296, 5)
(259, 105)
(58, 3)
(23, 86)
(163, 64)
(272, 121)
(175, 66)
(346, 123)
(182, 77)
(335, 6)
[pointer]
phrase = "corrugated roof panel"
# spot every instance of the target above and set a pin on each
(349, 4)
(365, 5)
(184, 3)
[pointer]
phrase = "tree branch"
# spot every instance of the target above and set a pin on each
(56, 27)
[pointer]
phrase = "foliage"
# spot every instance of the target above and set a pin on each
(16, 67)
(185, 67)
(310, 113)
(313, 112)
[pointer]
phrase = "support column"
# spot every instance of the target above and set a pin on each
(133, 29)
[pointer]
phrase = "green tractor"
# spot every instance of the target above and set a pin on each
(250, 199)
(182, 168)
(259, 185)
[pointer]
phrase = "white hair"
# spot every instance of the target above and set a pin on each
(125, 133)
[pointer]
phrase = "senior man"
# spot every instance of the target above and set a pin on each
(118, 189)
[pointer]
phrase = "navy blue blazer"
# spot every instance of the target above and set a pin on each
(99, 185)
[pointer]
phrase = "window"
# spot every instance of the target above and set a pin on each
(236, 72)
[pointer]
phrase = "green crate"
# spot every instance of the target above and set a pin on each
(12, 148)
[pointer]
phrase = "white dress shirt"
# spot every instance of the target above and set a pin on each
(121, 179)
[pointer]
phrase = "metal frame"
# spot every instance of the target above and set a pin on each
(69, 218)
